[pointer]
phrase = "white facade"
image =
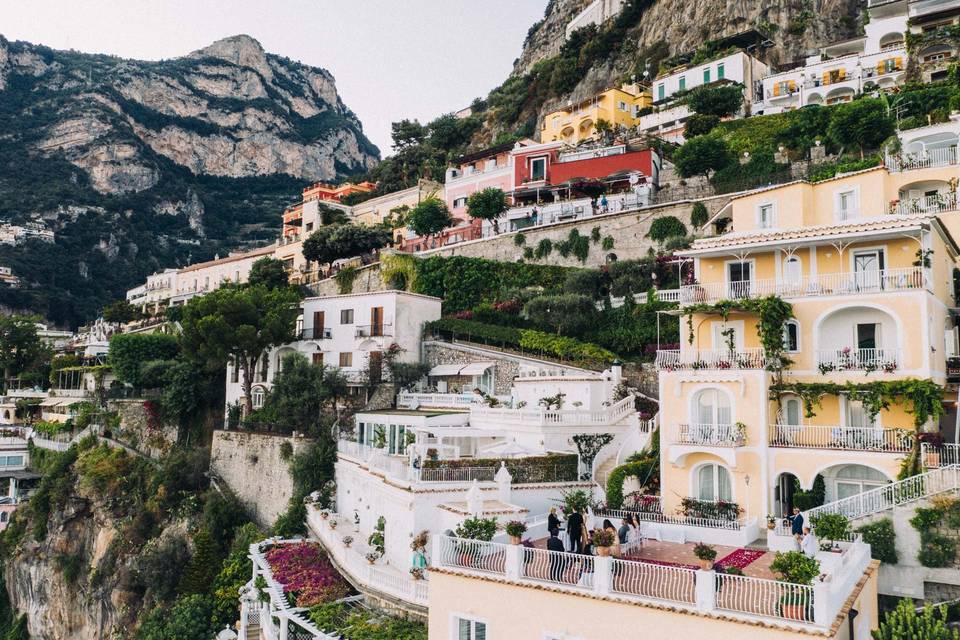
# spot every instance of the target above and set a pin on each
(347, 332)
(597, 12)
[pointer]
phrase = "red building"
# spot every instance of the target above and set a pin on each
(545, 164)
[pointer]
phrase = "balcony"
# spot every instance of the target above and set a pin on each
(696, 359)
(374, 331)
(927, 205)
(710, 435)
(828, 284)
(939, 455)
(840, 438)
(315, 333)
(498, 417)
(930, 158)
(865, 360)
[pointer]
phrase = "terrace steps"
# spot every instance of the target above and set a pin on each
(253, 632)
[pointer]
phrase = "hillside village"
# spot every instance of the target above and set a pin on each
(683, 356)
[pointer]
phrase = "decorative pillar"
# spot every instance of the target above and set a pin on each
(503, 480)
(821, 604)
(513, 560)
(602, 574)
(706, 590)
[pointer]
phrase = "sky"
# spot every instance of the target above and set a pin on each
(392, 59)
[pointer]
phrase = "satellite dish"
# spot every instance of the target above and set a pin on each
(634, 178)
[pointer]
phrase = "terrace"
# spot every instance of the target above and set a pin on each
(839, 437)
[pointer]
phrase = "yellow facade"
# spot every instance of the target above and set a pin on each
(869, 278)
(577, 123)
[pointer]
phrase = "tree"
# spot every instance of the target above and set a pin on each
(238, 323)
(720, 101)
(701, 155)
(338, 241)
(120, 311)
(699, 125)
(699, 215)
(586, 282)
(189, 618)
(905, 622)
(666, 227)
(300, 393)
(448, 132)
(130, 352)
(203, 566)
(269, 272)
(487, 204)
(863, 123)
(567, 314)
(20, 347)
(331, 215)
(604, 128)
(429, 217)
(407, 133)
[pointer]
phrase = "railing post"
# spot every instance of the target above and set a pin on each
(706, 590)
(513, 561)
(821, 604)
(602, 574)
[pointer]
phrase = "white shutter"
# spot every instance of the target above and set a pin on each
(951, 338)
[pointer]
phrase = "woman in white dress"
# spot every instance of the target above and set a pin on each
(634, 539)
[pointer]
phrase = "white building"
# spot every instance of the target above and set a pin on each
(667, 120)
(876, 60)
(597, 12)
(351, 332)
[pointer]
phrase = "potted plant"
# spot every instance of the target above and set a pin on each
(832, 527)
(332, 522)
(347, 541)
(794, 568)
(705, 554)
(740, 432)
(372, 557)
(515, 529)
(419, 542)
(771, 522)
(376, 539)
(416, 573)
(602, 541)
(324, 513)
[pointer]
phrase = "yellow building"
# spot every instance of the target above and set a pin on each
(577, 122)
(865, 262)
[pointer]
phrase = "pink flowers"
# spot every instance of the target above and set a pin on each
(306, 574)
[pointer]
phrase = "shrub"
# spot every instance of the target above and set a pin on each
(643, 470)
(188, 619)
(666, 227)
(882, 540)
(701, 155)
(699, 215)
(936, 550)
(717, 101)
(704, 551)
(515, 528)
(130, 351)
(306, 573)
(544, 248)
(831, 526)
(904, 622)
(700, 124)
(477, 529)
(863, 123)
(795, 568)
(585, 282)
(519, 239)
(565, 314)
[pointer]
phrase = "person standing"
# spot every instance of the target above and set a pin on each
(556, 560)
(796, 522)
(808, 544)
(553, 522)
(575, 531)
(624, 531)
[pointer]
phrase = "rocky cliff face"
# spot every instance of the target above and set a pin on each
(178, 159)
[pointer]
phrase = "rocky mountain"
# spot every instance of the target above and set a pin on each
(552, 70)
(138, 165)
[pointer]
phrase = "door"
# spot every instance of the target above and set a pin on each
(738, 279)
(867, 268)
(792, 274)
(863, 431)
(727, 336)
(868, 344)
(318, 324)
(376, 321)
(789, 421)
(712, 417)
(376, 367)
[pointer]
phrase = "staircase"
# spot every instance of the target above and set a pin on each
(253, 632)
(637, 438)
(925, 485)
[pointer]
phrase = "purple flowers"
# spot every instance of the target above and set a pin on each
(306, 574)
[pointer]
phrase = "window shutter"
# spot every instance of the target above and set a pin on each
(898, 63)
(880, 67)
(841, 73)
(826, 77)
(776, 90)
(950, 340)
(793, 85)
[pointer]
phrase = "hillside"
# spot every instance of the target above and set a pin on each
(140, 165)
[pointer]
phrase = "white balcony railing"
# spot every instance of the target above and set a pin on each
(866, 360)
(709, 435)
(927, 205)
(457, 474)
(588, 154)
(409, 400)
(355, 449)
(843, 438)
(923, 159)
(670, 359)
(935, 456)
(547, 417)
(828, 284)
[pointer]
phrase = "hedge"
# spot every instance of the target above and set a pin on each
(559, 346)
(524, 470)
(882, 540)
(638, 469)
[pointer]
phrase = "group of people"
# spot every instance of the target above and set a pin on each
(805, 541)
(580, 537)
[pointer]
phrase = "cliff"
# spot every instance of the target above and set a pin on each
(137, 165)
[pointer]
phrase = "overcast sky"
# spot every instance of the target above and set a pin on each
(392, 59)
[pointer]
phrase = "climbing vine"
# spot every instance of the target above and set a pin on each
(345, 278)
(773, 313)
(395, 267)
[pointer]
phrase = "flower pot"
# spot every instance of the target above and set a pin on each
(514, 539)
(771, 525)
(324, 515)
(603, 551)
(706, 565)
(346, 544)
(333, 524)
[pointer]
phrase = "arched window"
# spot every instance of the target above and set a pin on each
(791, 411)
(854, 478)
(791, 336)
(257, 396)
(3, 516)
(713, 483)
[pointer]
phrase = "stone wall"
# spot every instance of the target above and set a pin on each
(253, 467)
(628, 231)
(137, 432)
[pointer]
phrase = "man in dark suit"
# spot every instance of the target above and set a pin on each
(556, 561)
(575, 529)
(796, 522)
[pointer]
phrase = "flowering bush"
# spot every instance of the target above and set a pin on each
(306, 574)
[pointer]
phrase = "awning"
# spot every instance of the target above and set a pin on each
(476, 368)
(445, 370)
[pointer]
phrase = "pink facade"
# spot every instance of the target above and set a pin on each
(542, 164)
(476, 171)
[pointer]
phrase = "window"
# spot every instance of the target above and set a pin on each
(846, 206)
(868, 268)
(257, 396)
(713, 483)
(712, 408)
(868, 336)
(791, 336)
(309, 227)
(738, 279)
(720, 71)
(3, 516)
(11, 461)
(623, 106)
(791, 411)
(660, 92)
(683, 83)
(236, 276)
(706, 76)
(318, 358)
(792, 272)
(538, 169)
(460, 202)
(470, 629)
(346, 359)
(234, 372)
(346, 316)
(765, 216)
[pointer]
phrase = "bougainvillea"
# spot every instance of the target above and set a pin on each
(306, 574)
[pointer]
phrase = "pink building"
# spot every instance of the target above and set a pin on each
(475, 171)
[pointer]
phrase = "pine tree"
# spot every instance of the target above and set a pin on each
(203, 567)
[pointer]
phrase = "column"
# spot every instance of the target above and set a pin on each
(706, 590)
(602, 574)
(513, 561)
(821, 603)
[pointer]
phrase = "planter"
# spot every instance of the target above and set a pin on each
(603, 551)
(515, 540)
(333, 524)
(771, 525)
(706, 565)
(324, 515)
